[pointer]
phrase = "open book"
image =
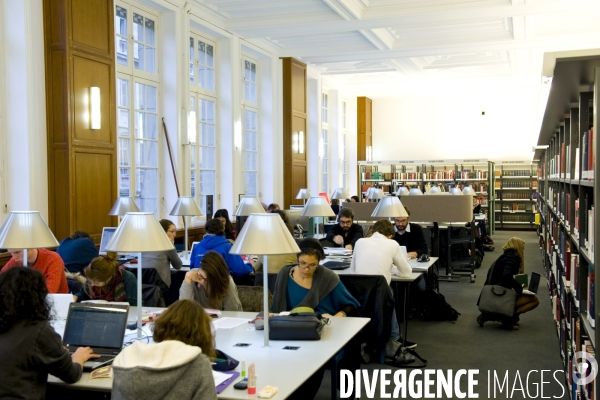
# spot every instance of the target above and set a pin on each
(523, 279)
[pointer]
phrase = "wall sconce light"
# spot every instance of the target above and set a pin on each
(191, 127)
(94, 107)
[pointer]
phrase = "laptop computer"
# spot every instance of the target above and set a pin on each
(534, 284)
(107, 234)
(404, 252)
(336, 264)
(99, 326)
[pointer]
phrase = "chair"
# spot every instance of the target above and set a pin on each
(251, 298)
(152, 296)
(376, 302)
(259, 281)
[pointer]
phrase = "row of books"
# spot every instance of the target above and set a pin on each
(477, 174)
(519, 218)
(517, 172)
(515, 196)
(518, 184)
(514, 207)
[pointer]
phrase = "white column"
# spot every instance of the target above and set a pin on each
(24, 122)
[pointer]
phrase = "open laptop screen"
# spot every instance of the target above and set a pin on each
(96, 325)
(107, 234)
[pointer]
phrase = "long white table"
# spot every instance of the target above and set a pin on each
(286, 369)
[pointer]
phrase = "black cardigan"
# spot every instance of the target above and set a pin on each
(503, 271)
(354, 233)
(413, 240)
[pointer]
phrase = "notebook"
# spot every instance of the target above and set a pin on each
(107, 234)
(534, 284)
(99, 326)
(59, 304)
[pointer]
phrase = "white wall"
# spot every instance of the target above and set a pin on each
(433, 126)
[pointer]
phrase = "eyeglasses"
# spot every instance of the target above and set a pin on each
(345, 222)
(401, 221)
(203, 278)
(304, 265)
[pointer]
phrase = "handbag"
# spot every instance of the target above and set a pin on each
(223, 362)
(497, 299)
(301, 326)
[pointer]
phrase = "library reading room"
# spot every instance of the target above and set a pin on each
(299, 199)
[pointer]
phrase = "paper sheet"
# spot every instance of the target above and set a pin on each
(228, 322)
(220, 377)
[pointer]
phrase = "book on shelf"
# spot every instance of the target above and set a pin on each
(576, 166)
(591, 306)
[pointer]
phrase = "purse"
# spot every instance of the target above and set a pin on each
(497, 299)
(301, 326)
(223, 362)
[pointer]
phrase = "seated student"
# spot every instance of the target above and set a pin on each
(214, 239)
(379, 255)
(161, 261)
(273, 207)
(309, 285)
(105, 281)
(176, 366)
(30, 349)
(335, 206)
(211, 285)
(410, 235)
(355, 199)
(45, 261)
(77, 251)
(223, 216)
(345, 233)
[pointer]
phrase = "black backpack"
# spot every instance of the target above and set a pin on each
(437, 308)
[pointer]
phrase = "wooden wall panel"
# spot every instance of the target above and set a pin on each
(92, 201)
(88, 73)
(60, 205)
(364, 129)
(91, 21)
(294, 121)
(82, 171)
(57, 118)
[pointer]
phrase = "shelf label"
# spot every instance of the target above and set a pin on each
(406, 162)
(435, 161)
(513, 162)
(476, 161)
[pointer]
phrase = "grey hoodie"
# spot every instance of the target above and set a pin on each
(166, 370)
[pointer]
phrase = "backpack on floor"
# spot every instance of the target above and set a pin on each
(437, 308)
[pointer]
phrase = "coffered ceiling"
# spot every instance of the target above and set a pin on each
(369, 42)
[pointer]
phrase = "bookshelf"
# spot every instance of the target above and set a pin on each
(425, 174)
(567, 229)
(516, 186)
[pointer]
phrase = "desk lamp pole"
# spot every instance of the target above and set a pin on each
(139, 297)
(266, 299)
(24, 257)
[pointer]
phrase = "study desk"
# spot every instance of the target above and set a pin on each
(286, 369)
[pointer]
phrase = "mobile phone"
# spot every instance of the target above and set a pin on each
(241, 385)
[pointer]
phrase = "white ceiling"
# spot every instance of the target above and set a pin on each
(385, 47)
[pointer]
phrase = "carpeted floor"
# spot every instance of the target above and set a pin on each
(517, 356)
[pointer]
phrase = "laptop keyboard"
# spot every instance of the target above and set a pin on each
(102, 359)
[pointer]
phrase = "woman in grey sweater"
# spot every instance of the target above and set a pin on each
(161, 261)
(183, 347)
(211, 285)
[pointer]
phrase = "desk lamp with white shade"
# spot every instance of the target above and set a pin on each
(26, 230)
(317, 206)
(186, 206)
(375, 194)
(122, 206)
(139, 233)
(389, 207)
(303, 194)
(402, 191)
(248, 205)
(340, 194)
(265, 234)
(468, 191)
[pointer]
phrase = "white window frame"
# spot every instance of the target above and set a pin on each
(324, 143)
(196, 147)
(199, 93)
(251, 106)
(195, 87)
(133, 75)
(344, 145)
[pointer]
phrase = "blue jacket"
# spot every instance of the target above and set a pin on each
(77, 254)
(234, 262)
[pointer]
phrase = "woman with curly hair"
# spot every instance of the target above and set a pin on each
(30, 349)
(183, 347)
(105, 281)
(211, 285)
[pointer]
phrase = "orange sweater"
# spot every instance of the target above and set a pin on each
(51, 266)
